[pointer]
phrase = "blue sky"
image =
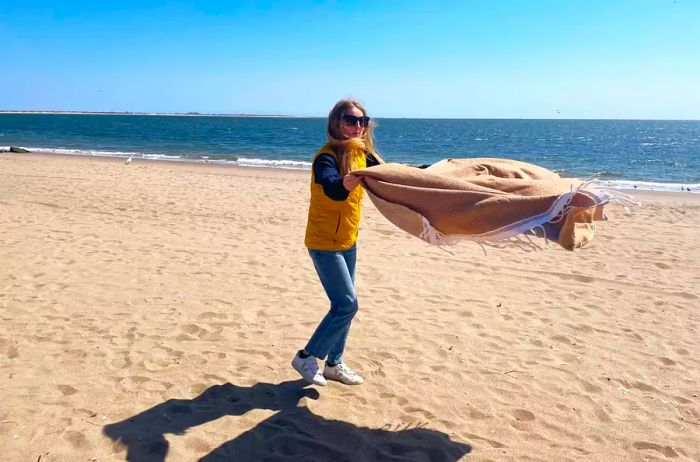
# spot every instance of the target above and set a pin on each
(472, 59)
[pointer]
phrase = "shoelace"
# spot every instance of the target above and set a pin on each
(346, 370)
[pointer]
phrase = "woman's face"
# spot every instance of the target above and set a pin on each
(355, 130)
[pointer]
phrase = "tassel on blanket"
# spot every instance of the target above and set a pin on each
(486, 200)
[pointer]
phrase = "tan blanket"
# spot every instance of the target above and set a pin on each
(484, 199)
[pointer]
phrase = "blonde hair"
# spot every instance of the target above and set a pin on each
(342, 145)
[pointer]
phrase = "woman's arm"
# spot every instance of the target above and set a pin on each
(327, 174)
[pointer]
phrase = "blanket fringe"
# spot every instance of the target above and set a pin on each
(523, 241)
(432, 236)
(623, 199)
(614, 195)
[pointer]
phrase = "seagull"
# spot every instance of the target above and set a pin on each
(128, 161)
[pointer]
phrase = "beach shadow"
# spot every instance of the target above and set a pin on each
(293, 433)
(144, 433)
(300, 435)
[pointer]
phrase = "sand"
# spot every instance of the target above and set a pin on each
(150, 312)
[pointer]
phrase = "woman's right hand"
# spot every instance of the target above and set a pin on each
(351, 181)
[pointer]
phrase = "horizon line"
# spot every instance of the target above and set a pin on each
(293, 116)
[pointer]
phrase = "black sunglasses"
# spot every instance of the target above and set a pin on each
(351, 120)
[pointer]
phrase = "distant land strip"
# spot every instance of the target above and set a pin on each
(176, 114)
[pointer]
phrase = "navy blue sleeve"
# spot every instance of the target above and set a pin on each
(327, 174)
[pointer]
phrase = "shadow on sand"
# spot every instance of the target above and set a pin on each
(293, 433)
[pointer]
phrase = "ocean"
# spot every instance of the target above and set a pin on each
(644, 154)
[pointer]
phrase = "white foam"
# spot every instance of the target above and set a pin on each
(303, 165)
(161, 157)
(295, 164)
(79, 152)
(241, 161)
(650, 186)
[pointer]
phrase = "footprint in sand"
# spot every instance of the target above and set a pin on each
(590, 388)
(602, 416)
(67, 390)
(523, 415)
(665, 450)
(377, 370)
(422, 412)
(475, 414)
(387, 356)
(399, 399)
(386, 232)
(76, 439)
(12, 352)
(194, 329)
(689, 414)
(120, 363)
(561, 339)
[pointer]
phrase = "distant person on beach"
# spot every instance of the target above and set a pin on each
(331, 232)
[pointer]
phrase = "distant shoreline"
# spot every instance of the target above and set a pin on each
(171, 114)
(291, 165)
(292, 116)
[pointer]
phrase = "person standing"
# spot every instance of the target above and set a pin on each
(331, 234)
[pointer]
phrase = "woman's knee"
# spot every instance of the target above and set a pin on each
(347, 306)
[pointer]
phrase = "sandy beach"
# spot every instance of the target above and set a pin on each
(150, 312)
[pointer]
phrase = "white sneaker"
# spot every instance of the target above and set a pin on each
(308, 368)
(343, 374)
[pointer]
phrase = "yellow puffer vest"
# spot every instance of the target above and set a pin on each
(333, 225)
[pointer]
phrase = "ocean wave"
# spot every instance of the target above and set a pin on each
(273, 163)
(650, 186)
(78, 152)
(161, 157)
(240, 161)
(303, 165)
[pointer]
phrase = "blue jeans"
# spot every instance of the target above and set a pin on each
(336, 269)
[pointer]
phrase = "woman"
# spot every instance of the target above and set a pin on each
(331, 232)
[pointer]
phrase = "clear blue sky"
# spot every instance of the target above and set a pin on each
(472, 59)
